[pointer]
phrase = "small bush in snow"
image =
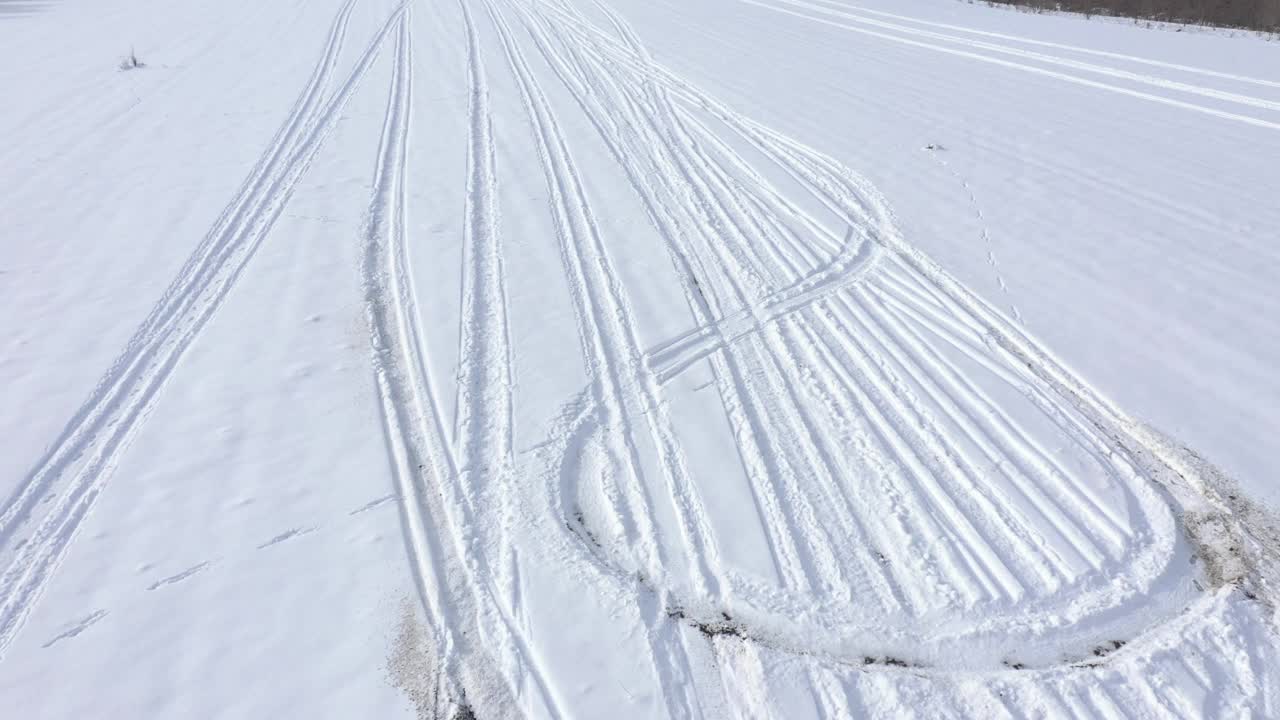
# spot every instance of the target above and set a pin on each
(131, 61)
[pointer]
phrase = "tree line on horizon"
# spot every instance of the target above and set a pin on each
(1253, 14)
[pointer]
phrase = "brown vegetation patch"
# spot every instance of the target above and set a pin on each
(1253, 14)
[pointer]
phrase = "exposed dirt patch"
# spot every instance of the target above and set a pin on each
(1108, 648)
(436, 689)
(412, 664)
(1217, 546)
(1238, 540)
(713, 628)
(581, 529)
(888, 661)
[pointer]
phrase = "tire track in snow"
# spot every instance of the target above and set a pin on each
(482, 653)
(488, 432)
(752, 216)
(1072, 48)
(91, 445)
(944, 418)
(670, 358)
(958, 408)
(95, 412)
(999, 428)
(1246, 119)
(896, 310)
(79, 433)
(810, 336)
(931, 423)
(972, 560)
(617, 375)
(908, 393)
(1204, 665)
(735, 278)
(745, 275)
(575, 73)
(572, 71)
(911, 374)
(1159, 82)
(767, 494)
(618, 345)
(484, 428)
(416, 444)
(810, 427)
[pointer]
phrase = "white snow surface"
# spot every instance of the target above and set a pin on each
(635, 359)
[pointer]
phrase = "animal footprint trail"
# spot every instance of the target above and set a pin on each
(984, 232)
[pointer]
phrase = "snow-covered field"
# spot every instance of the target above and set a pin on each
(635, 359)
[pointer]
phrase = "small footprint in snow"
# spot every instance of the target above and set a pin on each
(287, 535)
(77, 627)
(985, 233)
(373, 504)
(181, 576)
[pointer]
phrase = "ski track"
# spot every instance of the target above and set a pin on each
(76, 468)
